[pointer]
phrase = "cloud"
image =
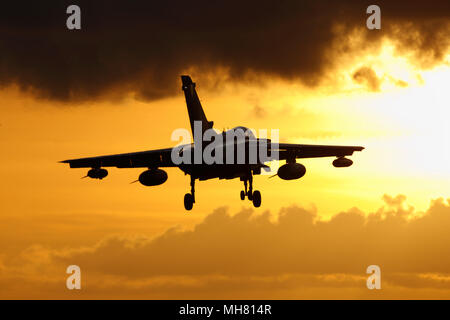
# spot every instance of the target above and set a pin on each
(258, 111)
(299, 242)
(400, 83)
(142, 47)
(251, 253)
(396, 202)
(367, 76)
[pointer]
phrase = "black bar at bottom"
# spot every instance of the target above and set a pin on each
(225, 309)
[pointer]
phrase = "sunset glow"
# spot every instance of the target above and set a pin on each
(385, 91)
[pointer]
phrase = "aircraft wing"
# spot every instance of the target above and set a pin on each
(157, 158)
(289, 150)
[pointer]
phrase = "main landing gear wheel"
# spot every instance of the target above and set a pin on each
(189, 198)
(256, 199)
(242, 195)
(188, 201)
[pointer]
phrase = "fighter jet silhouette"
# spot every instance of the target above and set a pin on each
(237, 157)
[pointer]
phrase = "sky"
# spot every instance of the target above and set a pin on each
(310, 69)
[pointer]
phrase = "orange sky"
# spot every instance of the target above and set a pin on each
(311, 238)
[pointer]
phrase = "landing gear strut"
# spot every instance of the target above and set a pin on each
(254, 196)
(189, 198)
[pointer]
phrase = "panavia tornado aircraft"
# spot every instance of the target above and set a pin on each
(242, 160)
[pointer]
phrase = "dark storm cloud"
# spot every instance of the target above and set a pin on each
(143, 46)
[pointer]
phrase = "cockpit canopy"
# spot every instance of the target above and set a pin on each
(247, 132)
(239, 133)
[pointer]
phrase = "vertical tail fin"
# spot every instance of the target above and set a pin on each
(194, 106)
